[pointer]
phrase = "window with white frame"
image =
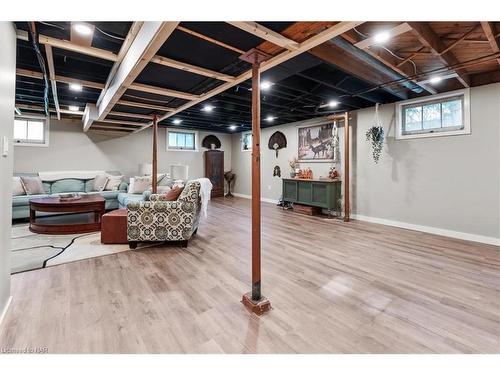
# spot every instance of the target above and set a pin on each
(438, 115)
(184, 140)
(30, 132)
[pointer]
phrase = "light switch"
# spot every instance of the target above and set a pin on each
(5, 146)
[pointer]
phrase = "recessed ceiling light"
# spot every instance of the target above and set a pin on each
(177, 121)
(435, 79)
(270, 118)
(333, 103)
(81, 28)
(382, 37)
(75, 86)
(232, 127)
(74, 108)
(266, 85)
(208, 108)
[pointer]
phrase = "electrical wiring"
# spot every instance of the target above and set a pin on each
(98, 29)
(33, 37)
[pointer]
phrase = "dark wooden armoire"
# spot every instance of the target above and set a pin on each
(214, 171)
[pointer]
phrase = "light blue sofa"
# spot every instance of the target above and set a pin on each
(21, 206)
(125, 198)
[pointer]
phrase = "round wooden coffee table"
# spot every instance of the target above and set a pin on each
(87, 203)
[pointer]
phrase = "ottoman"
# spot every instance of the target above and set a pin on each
(114, 227)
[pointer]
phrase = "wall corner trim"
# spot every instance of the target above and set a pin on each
(4, 311)
(431, 230)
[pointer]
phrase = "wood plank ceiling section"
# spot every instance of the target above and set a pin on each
(193, 64)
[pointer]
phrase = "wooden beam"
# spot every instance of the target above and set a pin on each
(41, 109)
(488, 29)
(132, 33)
(154, 169)
(67, 45)
(162, 91)
(145, 105)
(151, 36)
(112, 127)
(131, 115)
(191, 68)
(209, 39)
(266, 34)
(395, 31)
(388, 60)
(345, 178)
(431, 40)
(38, 75)
(124, 122)
(459, 40)
(52, 77)
(80, 39)
(329, 33)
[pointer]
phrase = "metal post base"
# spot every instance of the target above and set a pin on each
(257, 307)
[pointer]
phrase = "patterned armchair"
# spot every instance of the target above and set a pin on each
(160, 220)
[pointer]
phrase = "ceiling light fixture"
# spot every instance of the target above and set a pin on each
(435, 79)
(270, 118)
(232, 127)
(82, 29)
(266, 85)
(382, 37)
(75, 87)
(177, 121)
(207, 108)
(333, 103)
(74, 108)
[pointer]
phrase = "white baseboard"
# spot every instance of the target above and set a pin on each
(267, 200)
(5, 309)
(432, 230)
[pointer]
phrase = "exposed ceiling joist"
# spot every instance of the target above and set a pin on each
(132, 33)
(306, 45)
(388, 61)
(128, 103)
(131, 115)
(266, 34)
(63, 79)
(124, 122)
(41, 109)
(52, 77)
(191, 68)
(211, 40)
(151, 36)
(430, 39)
(395, 31)
(67, 45)
(162, 91)
(488, 29)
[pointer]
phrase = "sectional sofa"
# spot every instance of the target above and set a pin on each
(20, 203)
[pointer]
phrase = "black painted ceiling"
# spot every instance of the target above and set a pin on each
(301, 86)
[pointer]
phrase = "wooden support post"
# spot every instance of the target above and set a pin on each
(256, 226)
(346, 167)
(155, 156)
(254, 301)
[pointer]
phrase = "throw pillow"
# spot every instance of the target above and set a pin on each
(163, 189)
(17, 187)
(100, 182)
(173, 194)
(32, 185)
(113, 183)
(140, 185)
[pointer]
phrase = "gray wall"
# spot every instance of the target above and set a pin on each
(71, 148)
(452, 183)
(7, 97)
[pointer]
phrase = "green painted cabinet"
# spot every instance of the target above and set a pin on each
(319, 193)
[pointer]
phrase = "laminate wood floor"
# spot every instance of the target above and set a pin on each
(335, 288)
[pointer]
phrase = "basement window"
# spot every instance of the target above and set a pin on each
(181, 140)
(30, 132)
(438, 115)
